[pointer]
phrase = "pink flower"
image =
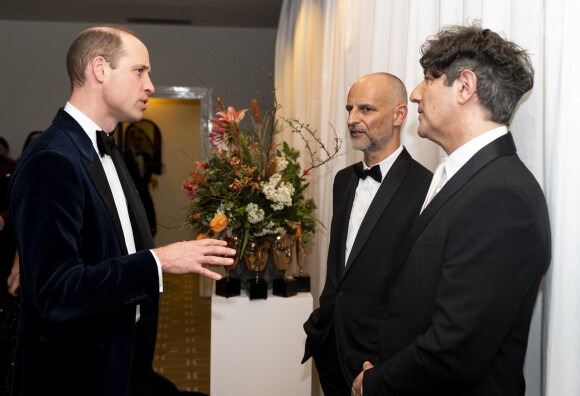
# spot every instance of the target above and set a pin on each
(217, 137)
(229, 117)
(190, 187)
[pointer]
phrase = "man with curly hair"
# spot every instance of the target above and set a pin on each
(457, 314)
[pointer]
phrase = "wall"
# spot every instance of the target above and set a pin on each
(35, 83)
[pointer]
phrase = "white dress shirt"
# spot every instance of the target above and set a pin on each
(364, 195)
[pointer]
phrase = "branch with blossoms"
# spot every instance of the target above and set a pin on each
(315, 160)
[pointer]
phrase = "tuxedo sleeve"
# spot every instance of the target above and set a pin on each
(493, 255)
(71, 263)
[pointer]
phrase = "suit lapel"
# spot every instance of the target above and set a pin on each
(141, 230)
(99, 178)
(386, 191)
(93, 166)
(342, 213)
(503, 145)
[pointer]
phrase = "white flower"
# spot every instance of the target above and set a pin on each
(277, 191)
(281, 164)
(255, 214)
(270, 229)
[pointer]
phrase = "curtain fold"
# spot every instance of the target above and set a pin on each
(324, 46)
(562, 140)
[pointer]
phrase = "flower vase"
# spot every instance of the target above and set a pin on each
(301, 277)
(286, 286)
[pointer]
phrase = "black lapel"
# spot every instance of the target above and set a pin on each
(386, 191)
(97, 174)
(503, 145)
(141, 230)
(342, 215)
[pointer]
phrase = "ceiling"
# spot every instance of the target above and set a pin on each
(234, 13)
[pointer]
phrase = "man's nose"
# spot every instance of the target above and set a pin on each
(149, 86)
(353, 118)
(416, 94)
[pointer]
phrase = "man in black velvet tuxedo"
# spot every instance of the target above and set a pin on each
(89, 276)
(457, 314)
(371, 215)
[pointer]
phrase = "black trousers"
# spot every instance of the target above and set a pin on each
(329, 371)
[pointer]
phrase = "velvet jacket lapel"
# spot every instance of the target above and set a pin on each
(93, 167)
(141, 230)
(387, 190)
(503, 145)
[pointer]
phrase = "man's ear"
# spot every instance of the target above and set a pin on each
(98, 66)
(466, 85)
(400, 113)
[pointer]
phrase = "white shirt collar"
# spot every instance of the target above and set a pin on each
(464, 153)
(386, 164)
(85, 122)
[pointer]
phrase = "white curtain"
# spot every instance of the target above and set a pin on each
(324, 46)
(562, 302)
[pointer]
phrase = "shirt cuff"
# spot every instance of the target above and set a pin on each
(159, 272)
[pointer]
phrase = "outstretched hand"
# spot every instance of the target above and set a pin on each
(192, 257)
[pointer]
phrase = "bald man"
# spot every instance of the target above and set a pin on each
(375, 202)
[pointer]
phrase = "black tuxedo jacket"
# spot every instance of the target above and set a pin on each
(456, 318)
(79, 288)
(352, 295)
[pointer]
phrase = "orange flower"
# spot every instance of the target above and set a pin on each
(201, 235)
(256, 111)
(218, 223)
(298, 229)
(196, 177)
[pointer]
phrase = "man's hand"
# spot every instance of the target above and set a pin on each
(191, 257)
(14, 277)
(358, 381)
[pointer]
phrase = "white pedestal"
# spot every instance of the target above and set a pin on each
(257, 346)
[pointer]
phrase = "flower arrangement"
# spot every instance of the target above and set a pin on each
(250, 186)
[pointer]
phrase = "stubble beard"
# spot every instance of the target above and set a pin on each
(371, 144)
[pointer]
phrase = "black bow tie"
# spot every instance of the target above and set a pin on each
(374, 172)
(105, 143)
